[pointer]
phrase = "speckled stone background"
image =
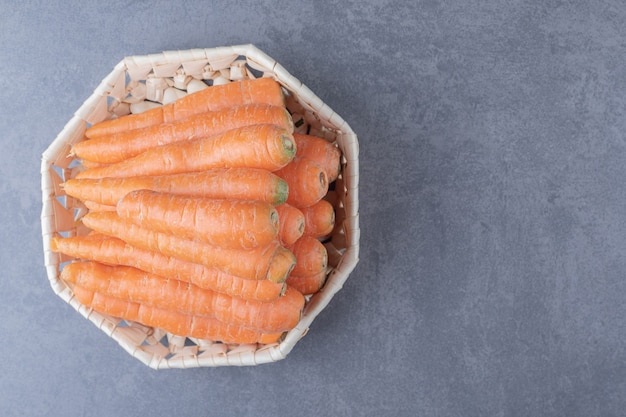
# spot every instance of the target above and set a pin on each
(493, 205)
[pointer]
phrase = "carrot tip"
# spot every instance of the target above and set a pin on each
(54, 244)
(274, 219)
(301, 226)
(290, 124)
(323, 179)
(281, 266)
(267, 339)
(289, 145)
(282, 192)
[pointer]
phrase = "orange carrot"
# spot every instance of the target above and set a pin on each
(175, 322)
(123, 145)
(319, 219)
(291, 222)
(307, 181)
(262, 90)
(309, 284)
(95, 206)
(114, 251)
(90, 164)
(245, 263)
(311, 256)
(258, 146)
(132, 284)
(321, 151)
(231, 223)
(236, 183)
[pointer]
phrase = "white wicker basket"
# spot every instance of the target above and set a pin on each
(133, 80)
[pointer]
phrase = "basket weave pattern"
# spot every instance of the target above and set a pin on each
(148, 77)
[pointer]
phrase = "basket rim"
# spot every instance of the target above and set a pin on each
(92, 107)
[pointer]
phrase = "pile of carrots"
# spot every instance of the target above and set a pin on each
(207, 215)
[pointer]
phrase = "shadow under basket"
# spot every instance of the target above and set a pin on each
(149, 80)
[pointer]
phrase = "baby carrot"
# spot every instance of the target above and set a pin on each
(309, 284)
(235, 183)
(307, 181)
(319, 219)
(138, 286)
(245, 263)
(123, 145)
(175, 322)
(321, 151)
(311, 256)
(258, 146)
(291, 222)
(262, 90)
(114, 251)
(243, 224)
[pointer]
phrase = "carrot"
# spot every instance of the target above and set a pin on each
(138, 286)
(262, 90)
(90, 164)
(307, 181)
(95, 206)
(311, 256)
(245, 263)
(291, 222)
(319, 219)
(114, 251)
(281, 265)
(123, 145)
(309, 284)
(321, 151)
(181, 324)
(231, 223)
(258, 146)
(236, 183)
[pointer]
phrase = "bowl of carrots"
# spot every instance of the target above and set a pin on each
(201, 208)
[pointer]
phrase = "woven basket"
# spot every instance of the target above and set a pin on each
(140, 81)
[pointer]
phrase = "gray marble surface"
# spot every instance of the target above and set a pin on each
(493, 207)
